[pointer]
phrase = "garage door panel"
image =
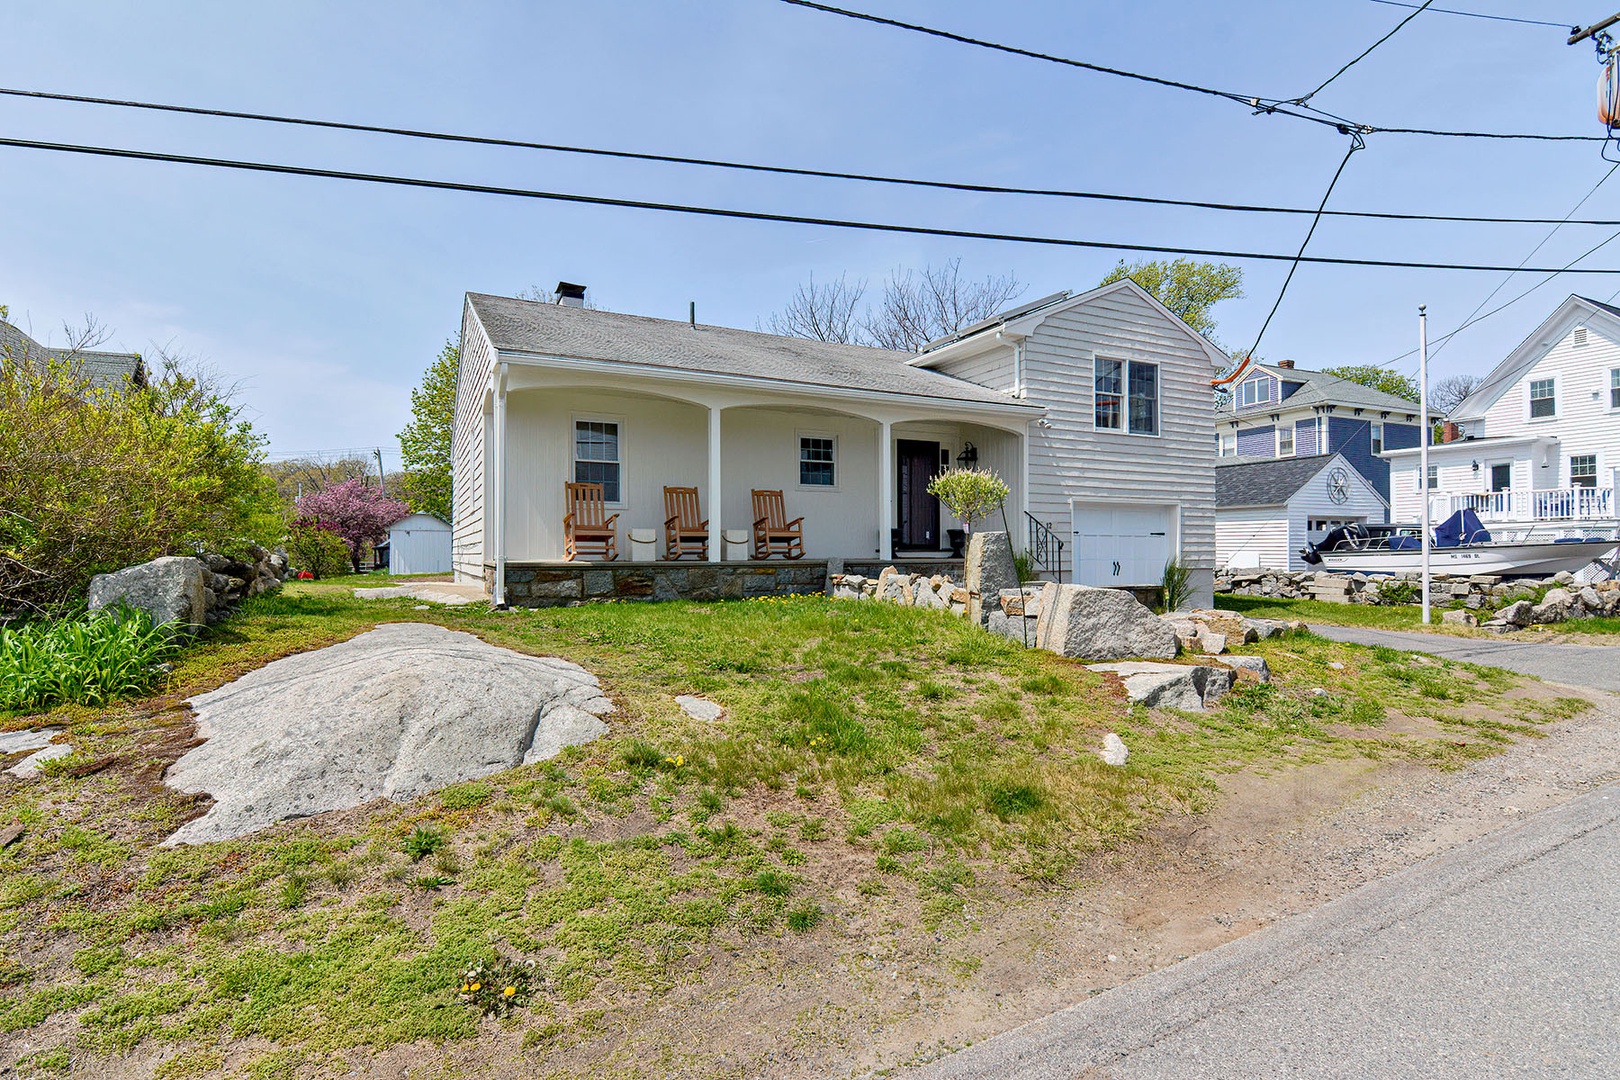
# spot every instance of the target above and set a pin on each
(1119, 544)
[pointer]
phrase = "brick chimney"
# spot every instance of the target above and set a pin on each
(1449, 432)
(1285, 364)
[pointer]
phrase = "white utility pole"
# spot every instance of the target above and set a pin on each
(1427, 432)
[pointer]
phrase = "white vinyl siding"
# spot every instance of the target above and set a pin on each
(1072, 460)
(993, 368)
(469, 451)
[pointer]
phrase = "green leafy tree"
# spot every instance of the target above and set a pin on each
(1378, 378)
(970, 494)
(1186, 287)
(425, 442)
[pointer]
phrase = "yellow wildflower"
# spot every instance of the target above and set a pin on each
(509, 991)
(475, 987)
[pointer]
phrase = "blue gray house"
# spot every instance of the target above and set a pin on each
(1280, 411)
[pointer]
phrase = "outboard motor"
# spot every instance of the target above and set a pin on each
(1344, 538)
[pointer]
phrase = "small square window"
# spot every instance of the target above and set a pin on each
(816, 462)
(1542, 399)
(1583, 470)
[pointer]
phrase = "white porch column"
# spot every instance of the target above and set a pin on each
(716, 533)
(498, 511)
(885, 492)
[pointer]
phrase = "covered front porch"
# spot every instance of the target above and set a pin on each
(855, 468)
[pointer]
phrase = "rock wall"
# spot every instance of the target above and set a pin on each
(188, 592)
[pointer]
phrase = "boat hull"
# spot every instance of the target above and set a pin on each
(1500, 560)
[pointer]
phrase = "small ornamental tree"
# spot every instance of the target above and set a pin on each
(970, 494)
(355, 511)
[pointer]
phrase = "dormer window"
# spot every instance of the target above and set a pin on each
(1254, 392)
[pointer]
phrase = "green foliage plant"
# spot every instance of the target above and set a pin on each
(85, 661)
(1378, 378)
(317, 549)
(425, 442)
(1176, 585)
(970, 494)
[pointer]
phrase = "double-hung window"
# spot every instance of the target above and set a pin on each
(1126, 396)
(1583, 470)
(1614, 388)
(1285, 440)
(816, 463)
(596, 456)
(1377, 431)
(1228, 443)
(1543, 400)
(1434, 477)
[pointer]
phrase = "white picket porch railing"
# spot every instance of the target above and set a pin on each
(1554, 504)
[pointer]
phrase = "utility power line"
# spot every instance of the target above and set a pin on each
(743, 215)
(1256, 103)
(1475, 14)
(786, 170)
(1363, 55)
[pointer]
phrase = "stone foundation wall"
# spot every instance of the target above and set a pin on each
(560, 586)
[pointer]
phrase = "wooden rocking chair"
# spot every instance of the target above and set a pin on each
(684, 534)
(585, 524)
(773, 533)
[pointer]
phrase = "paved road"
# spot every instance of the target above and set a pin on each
(1500, 959)
(1595, 666)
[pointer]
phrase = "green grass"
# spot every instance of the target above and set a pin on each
(1377, 616)
(901, 750)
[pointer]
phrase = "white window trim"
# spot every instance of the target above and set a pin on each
(1293, 440)
(1597, 466)
(1529, 406)
(798, 449)
(1125, 397)
(1614, 374)
(1485, 474)
(1379, 438)
(1257, 380)
(623, 502)
(1221, 443)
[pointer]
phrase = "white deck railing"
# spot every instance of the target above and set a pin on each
(1554, 504)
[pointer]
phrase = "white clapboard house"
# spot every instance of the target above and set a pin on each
(1266, 511)
(1095, 408)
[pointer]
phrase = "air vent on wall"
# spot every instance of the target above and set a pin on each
(1580, 337)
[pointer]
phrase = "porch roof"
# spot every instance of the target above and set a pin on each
(655, 346)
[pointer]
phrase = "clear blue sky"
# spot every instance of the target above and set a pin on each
(328, 298)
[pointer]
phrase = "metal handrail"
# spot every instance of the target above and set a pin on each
(1045, 547)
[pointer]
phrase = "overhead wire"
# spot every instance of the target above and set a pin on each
(780, 170)
(1364, 54)
(733, 213)
(1440, 345)
(1258, 104)
(1474, 14)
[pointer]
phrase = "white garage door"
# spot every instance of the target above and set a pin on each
(1118, 544)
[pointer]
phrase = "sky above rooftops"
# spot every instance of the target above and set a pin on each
(328, 298)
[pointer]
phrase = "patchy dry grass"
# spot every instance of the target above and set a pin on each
(890, 755)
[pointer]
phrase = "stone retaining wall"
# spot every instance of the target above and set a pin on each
(561, 585)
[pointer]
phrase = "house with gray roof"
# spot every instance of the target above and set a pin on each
(1094, 408)
(104, 370)
(1268, 509)
(1281, 411)
(1539, 439)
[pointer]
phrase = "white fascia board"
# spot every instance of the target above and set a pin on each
(707, 378)
(987, 340)
(1468, 447)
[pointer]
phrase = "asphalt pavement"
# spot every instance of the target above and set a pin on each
(1498, 959)
(1593, 666)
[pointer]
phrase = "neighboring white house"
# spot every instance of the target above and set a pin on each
(1094, 408)
(1267, 511)
(1539, 439)
(419, 544)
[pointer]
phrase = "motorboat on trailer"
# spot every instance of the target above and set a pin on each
(1462, 545)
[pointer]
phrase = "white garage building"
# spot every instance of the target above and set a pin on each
(420, 544)
(1266, 510)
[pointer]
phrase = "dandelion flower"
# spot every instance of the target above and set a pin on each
(475, 987)
(509, 991)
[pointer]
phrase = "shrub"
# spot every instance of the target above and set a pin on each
(355, 511)
(88, 661)
(970, 494)
(317, 549)
(423, 841)
(95, 480)
(1177, 585)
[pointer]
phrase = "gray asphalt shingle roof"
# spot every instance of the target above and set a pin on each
(637, 341)
(1323, 388)
(1264, 481)
(105, 370)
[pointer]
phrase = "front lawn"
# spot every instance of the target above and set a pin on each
(881, 773)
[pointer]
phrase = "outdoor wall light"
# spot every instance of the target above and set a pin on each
(1476, 466)
(969, 456)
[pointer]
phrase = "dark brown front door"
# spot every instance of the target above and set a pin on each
(916, 464)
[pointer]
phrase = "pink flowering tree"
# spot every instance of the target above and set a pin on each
(355, 511)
